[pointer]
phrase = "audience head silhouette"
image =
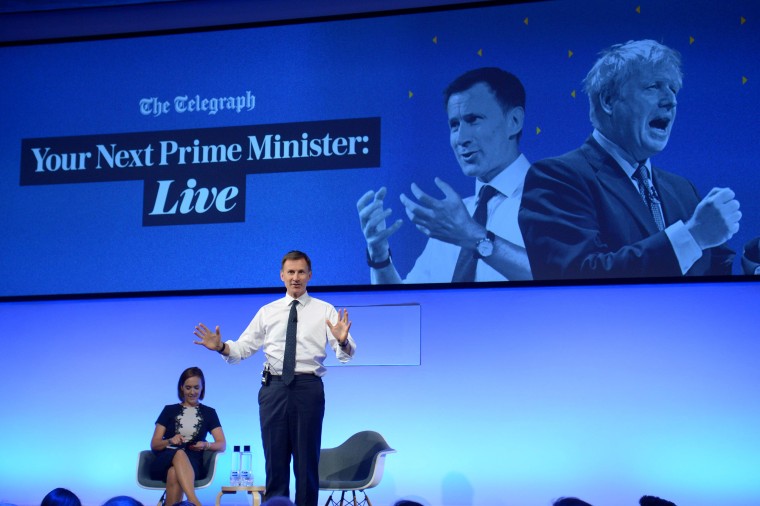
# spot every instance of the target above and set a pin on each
(61, 497)
(570, 501)
(122, 500)
(650, 500)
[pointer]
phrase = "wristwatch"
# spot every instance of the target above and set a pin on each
(484, 247)
(379, 265)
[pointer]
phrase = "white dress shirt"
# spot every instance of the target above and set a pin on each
(438, 259)
(268, 327)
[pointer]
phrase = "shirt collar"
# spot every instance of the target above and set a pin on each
(617, 153)
(303, 299)
(509, 181)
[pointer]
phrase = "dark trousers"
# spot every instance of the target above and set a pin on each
(291, 424)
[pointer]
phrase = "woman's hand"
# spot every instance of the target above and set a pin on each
(198, 446)
(176, 440)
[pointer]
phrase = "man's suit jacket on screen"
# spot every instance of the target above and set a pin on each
(751, 257)
(582, 217)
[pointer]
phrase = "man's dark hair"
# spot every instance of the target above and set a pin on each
(650, 500)
(296, 255)
(507, 87)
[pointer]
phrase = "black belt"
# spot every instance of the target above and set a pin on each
(278, 377)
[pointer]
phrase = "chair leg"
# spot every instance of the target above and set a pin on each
(348, 501)
(330, 501)
(364, 501)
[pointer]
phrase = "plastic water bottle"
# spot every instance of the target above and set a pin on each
(246, 462)
(235, 467)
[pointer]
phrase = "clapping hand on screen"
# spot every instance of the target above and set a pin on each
(446, 220)
(372, 215)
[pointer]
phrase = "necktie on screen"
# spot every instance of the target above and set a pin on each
(649, 195)
(467, 262)
(289, 362)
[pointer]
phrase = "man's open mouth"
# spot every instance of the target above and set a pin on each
(660, 123)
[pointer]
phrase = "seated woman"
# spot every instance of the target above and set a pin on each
(179, 439)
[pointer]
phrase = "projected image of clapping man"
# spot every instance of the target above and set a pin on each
(604, 210)
(471, 239)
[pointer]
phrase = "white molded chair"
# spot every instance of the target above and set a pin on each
(356, 465)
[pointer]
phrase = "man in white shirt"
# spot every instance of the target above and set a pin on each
(486, 110)
(291, 403)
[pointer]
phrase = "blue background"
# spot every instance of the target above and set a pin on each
(65, 238)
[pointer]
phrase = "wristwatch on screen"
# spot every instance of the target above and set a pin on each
(484, 247)
(379, 265)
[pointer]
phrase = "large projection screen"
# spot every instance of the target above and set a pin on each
(192, 161)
